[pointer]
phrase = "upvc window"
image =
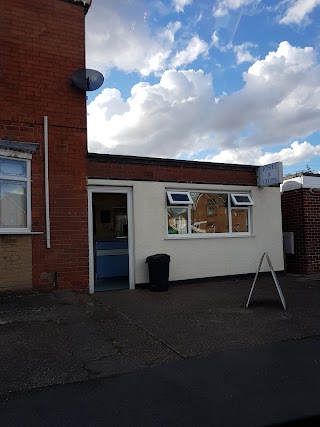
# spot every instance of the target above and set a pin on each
(15, 203)
(210, 214)
(179, 198)
(241, 199)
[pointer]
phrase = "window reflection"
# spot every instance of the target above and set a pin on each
(13, 168)
(177, 220)
(240, 222)
(209, 213)
(13, 204)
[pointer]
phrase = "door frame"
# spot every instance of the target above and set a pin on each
(109, 190)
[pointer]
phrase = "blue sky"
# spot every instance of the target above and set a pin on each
(234, 81)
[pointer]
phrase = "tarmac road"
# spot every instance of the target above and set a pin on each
(268, 385)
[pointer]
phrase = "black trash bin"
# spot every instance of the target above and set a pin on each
(158, 272)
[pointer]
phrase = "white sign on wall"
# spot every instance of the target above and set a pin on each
(271, 174)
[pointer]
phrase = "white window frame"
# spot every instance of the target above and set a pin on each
(182, 202)
(27, 179)
(236, 202)
(231, 207)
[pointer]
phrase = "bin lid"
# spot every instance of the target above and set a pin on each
(158, 258)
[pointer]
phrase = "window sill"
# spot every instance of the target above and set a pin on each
(24, 232)
(216, 236)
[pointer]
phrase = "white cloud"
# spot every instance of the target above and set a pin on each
(199, 18)
(215, 40)
(195, 47)
(162, 120)
(243, 54)
(279, 100)
(118, 36)
(180, 4)
(241, 50)
(296, 153)
(246, 156)
(298, 11)
(224, 6)
(287, 61)
(180, 116)
(108, 104)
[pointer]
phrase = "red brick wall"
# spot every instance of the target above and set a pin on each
(312, 229)
(301, 214)
(162, 170)
(42, 43)
(292, 220)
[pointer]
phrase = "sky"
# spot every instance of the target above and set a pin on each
(228, 81)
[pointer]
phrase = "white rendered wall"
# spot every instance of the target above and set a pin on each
(202, 257)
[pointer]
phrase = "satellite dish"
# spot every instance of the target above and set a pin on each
(87, 79)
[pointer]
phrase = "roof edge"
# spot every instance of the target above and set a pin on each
(117, 158)
(300, 174)
(85, 3)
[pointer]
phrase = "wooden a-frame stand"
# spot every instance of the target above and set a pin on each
(274, 278)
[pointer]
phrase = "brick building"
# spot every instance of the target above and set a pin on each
(42, 44)
(69, 219)
(300, 215)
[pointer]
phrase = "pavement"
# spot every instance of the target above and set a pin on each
(207, 353)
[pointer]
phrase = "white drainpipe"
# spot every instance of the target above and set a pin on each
(46, 180)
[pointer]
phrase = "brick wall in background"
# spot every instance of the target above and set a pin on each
(301, 215)
(42, 44)
(292, 220)
(311, 202)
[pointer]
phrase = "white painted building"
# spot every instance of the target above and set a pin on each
(227, 236)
